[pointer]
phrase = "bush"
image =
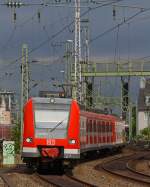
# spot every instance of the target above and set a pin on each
(145, 133)
(16, 136)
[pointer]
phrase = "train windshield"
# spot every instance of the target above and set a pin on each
(51, 120)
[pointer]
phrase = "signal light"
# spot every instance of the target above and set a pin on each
(15, 16)
(39, 16)
(114, 12)
(14, 4)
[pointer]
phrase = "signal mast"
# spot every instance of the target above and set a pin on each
(77, 62)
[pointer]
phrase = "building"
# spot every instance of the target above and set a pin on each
(143, 110)
(6, 114)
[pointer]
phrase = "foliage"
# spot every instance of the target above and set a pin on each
(146, 133)
(134, 121)
(139, 137)
(16, 137)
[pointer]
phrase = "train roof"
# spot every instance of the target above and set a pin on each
(100, 115)
(68, 101)
(44, 100)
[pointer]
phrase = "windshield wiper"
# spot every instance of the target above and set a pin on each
(57, 125)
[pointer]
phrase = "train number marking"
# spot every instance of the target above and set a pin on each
(50, 142)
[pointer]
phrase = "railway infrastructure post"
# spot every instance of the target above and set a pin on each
(148, 122)
(125, 97)
(149, 126)
(68, 67)
(77, 51)
(130, 121)
(24, 80)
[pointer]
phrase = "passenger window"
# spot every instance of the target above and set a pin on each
(107, 126)
(94, 125)
(98, 126)
(90, 125)
(103, 126)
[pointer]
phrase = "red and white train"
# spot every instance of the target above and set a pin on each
(57, 129)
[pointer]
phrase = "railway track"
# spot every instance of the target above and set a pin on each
(8, 174)
(22, 177)
(6, 182)
(132, 163)
(123, 167)
(64, 181)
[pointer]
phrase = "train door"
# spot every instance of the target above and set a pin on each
(98, 132)
(109, 131)
(100, 129)
(106, 133)
(82, 131)
(91, 132)
(84, 127)
(103, 132)
(94, 131)
(87, 131)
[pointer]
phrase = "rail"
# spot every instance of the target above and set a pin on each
(120, 167)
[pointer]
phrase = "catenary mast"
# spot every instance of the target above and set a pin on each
(77, 64)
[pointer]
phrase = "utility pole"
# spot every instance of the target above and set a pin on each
(24, 80)
(130, 121)
(85, 63)
(77, 63)
(68, 66)
(125, 81)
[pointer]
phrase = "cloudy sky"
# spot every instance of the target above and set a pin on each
(129, 40)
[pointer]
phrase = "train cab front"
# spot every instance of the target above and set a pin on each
(51, 129)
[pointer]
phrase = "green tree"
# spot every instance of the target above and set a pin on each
(16, 136)
(145, 133)
(134, 121)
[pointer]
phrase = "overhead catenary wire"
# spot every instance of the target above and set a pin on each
(59, 32)
(125, 21)
(116, 26)
(113, 29)
(16, 26)
(53, 36)
(121, 25)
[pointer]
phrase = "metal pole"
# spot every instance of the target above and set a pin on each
(86, 61)
(24, 81)
(130, 122)
(68, 66)
(125, 81)
(77, 77)
(148, 125)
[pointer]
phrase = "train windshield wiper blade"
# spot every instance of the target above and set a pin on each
(58, 124)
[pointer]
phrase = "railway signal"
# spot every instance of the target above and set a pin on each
(15, 4)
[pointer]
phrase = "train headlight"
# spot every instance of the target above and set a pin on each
(52, 100)
(72, 141)
(28, 140)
